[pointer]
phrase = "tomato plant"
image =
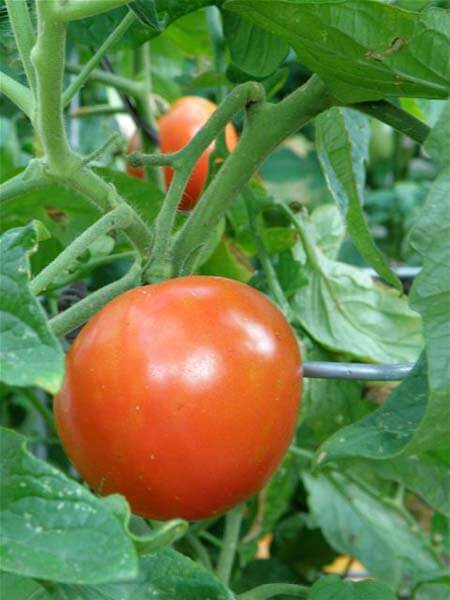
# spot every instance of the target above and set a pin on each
(176, 129)
(291, 193)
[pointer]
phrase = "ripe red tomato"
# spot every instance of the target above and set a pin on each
(176, 129)
(182, 396)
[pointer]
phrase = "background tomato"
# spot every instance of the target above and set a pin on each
(182, 396)
(176, 128)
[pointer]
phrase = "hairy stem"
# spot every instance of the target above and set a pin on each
(19, 94)
(48, 57)
(144, 107)
(84, 74)
(72, 10)
(22, 26)
(121, 84)
(119, 218)
(77, 315)
(32, 178)
(187, 158)
(86, 269)
(105, 197)
(233, 520)
(267, 126)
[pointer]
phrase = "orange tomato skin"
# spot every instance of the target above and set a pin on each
(176, 129)
(182, 396)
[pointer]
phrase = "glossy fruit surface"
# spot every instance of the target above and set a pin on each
(182, 396)
(176, 129)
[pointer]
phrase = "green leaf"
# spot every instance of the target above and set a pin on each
(356, 523)
(386, 432)
(333, 588)
(275, 498)
(14, 587)
(427, 474)
(347, 312)
(438, 142)
(340, 400)
(53, 528)
(430, 295)
(30, 353)
(146, 12)
(342, 140)
(362, 50)
(384, 443)
(292, 173)
(228, 261)
(329, 228)
(276, 240)
(252, 49)
(163, 575)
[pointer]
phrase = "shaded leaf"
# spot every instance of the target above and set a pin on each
(342, 139)
(430, 295)
(345, 311)
(333, 588)
(356, 523)
(52, 527)
(30, 353)
(163, 575)
(362, 50)
(252, 49)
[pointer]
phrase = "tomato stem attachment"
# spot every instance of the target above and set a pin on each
(81, 312)
(233, 520)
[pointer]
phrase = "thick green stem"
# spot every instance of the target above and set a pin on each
(105, 197)
(267, 266)
(121, 84)
(72, 10)
(81, 312)
(84, 74)
(22, 26)
(267, 126)
(48, 57)
(119, 218)
(32, 178)
(97, 110)
(233, 520)
(396, 117)
(136, 159)
(264, 592)
(86, 269)
(17, 93)
(144, 107)
(187, 158)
